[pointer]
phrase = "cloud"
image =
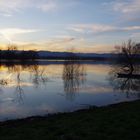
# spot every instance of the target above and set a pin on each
(131, 28)
(9, 7)
(76, 28)
(49, 6)
(135, 35)
(12, 31)
(100, 28)
(55, 44)
(94, 28)
(125, 10)
(132, 6)
(8, 33)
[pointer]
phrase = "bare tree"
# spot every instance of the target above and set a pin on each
(128, 56)
(125, 73)
(11, 47)
(73, 76)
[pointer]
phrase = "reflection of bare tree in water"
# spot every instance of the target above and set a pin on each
(38, 76)
(19, 90)
(125, 74)
(3, 82)
(73, 76)
(128, 85)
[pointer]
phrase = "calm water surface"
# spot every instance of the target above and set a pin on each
(29, 90)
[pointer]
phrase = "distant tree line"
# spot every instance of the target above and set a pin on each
(127, 55)
(12, 53)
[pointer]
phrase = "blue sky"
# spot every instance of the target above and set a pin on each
(59, 25)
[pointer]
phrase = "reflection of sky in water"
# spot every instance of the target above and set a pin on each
(38, 90)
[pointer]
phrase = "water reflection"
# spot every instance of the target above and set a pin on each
(129, 84)
(19, 92)
(74, 75)
(16, 78)
(38, 75)
(29, 90)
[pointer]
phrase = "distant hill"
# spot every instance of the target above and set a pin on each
(61, 55)
(17, 54)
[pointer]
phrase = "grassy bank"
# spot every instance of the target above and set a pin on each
(115, 122)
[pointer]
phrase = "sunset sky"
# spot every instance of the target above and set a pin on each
(58, 25)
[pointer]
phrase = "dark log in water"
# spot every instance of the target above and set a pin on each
(132, 76)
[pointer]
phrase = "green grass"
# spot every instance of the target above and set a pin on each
(115, 122)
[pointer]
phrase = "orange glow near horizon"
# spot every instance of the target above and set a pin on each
(62, 48)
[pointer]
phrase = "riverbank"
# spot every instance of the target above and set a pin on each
(117, 122)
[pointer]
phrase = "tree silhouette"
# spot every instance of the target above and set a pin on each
(74, 75)
(12, 53)
(125, 73)
(128, 57)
